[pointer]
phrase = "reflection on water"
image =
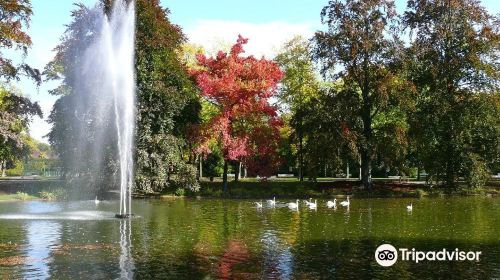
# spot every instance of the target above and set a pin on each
(231, 239)
(41, 237)
(126, 261)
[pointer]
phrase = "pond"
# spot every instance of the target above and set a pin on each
(232, 239)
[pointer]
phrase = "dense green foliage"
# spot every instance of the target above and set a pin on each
(166, 102)
(15, 114)
(361, 49)
(454, 64)
(298, 87)
(394, 108)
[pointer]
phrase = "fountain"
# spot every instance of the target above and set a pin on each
(115, 49)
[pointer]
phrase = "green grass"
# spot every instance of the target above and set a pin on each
(55, 194)
(16, 196)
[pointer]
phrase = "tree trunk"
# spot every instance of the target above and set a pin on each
(244, 172)
(366, 149)
(238, 172)
(2, 167)
(200, 168)
(301, 153)
(224, 177)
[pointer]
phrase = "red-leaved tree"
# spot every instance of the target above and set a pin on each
(246, 125)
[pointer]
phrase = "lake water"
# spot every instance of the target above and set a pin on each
(232, 239)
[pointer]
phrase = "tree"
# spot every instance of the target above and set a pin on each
(15, 111)
(298, 86)
(15, 114)
(167, 100)
(360, 49)
(454, 64)
(14, 17)
(240, 88)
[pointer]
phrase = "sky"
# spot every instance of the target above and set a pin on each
(267, 24)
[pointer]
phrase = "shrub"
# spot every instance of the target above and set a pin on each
(22, 196)
(179, 192)
(56, 194)
(478, 173)
(47, 195)
(186, 178)
(421, 193)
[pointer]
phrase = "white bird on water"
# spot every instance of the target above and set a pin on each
(294, 205)
(409, 207)
(331, 204)
(308, 203)
(272, 202)
(96, 201)
(259, 204)
(345, 202)
(314, 205)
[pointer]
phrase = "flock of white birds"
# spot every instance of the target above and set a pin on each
(314, 205)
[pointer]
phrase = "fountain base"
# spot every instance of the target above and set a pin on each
(124, 216)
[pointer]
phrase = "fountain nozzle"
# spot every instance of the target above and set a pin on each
(124, 216)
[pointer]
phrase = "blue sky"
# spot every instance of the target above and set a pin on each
(267, 23)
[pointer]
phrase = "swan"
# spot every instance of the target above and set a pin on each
(96, 201)
(313, 205)
(259, 204)
(294, 205)
(345, 202)
(409, 207)
(308, 203)
(331, 204)
(272, 202)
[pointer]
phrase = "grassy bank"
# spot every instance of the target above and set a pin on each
(296, 189)
(56, 194)
(17, 196)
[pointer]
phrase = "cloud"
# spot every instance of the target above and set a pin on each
(265, 39)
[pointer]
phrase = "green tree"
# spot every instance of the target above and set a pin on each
(163, 91)
(454, 65)
(298, 86)
(15, 114)
(360, 47)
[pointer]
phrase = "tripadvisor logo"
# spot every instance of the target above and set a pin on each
(387, 255)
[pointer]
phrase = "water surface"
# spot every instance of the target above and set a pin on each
(232, 239)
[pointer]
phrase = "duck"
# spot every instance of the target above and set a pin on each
(345, 203)
(294, 205)
(331, 204)
(409, 207)
(96, 201)
(313, 205)
(259, 204)
(272, 202)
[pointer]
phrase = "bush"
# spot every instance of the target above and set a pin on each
(179, 192)
(478, 173)
(421, 193)
(56, 194)
(186, 178)
(47, 195)
(22, 196)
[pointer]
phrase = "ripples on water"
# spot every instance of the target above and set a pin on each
(227, 239)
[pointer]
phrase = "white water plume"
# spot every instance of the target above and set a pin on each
(109, 69)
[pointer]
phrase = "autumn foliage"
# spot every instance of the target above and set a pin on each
(246, 126)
